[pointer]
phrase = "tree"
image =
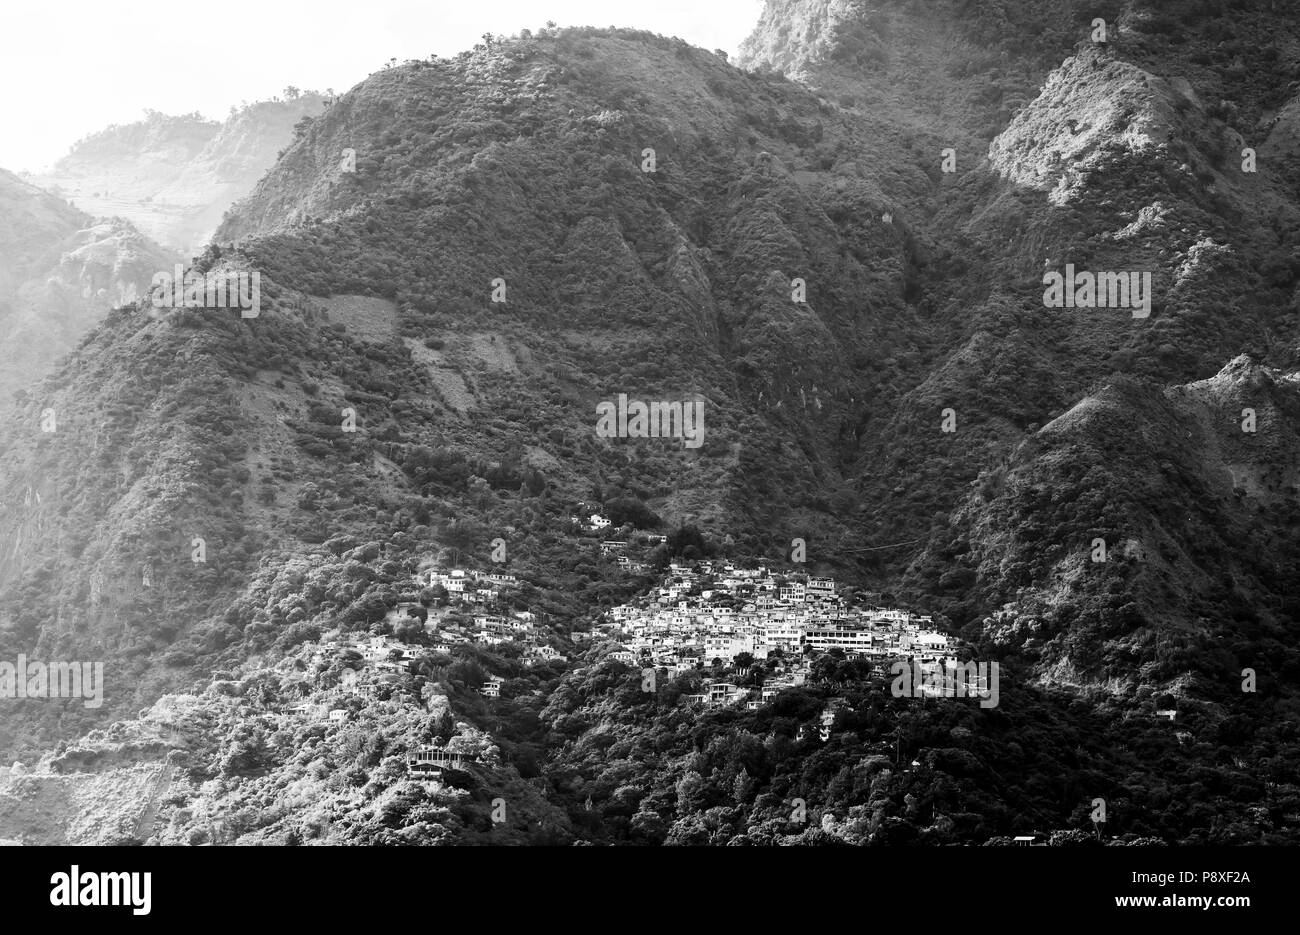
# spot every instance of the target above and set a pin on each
(409, 630)
(659, 558)
(309, 497)
(648, 826)
(460, 535)
(629, 510)
(742, 790)
(370, 609)
(692, 793)
(481, 491)
(1071, 837)
(686, 538)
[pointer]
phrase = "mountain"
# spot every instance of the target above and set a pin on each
(60, 271)
(929, 427)
(229, 428)
(174, 177)
(1120, 162)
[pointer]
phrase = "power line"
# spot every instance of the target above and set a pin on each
(877, 548)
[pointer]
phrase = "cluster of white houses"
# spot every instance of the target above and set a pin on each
(708, 611)
(617, 550)
(471, 587)
(473, 615)
(478, 593)
(702, 614)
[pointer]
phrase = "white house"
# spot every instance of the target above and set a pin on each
(794, 594)
(822, 588)
(930, 640)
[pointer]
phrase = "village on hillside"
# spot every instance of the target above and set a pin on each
(752, 632)
(703, 614)
(708, 614)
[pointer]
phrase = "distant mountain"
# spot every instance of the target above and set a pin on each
(60, 272)
(174, 177)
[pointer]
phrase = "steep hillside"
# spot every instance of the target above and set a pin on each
(1126, 156)
(1198, 520)
(198, 769)
(229, 429)
(658, 284)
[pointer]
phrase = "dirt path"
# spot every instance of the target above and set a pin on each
(158, 790)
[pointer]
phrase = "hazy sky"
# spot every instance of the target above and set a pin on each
(70, 68)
